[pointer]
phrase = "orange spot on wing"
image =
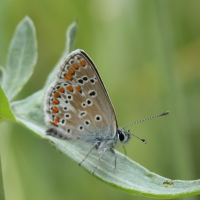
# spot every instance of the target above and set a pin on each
(75, 66)
(56, 120)
(55, 110)
(70, 88)
(54, 124)
(68, 77)
(78, 89)
(57, 94)
(61, 90)
(55, 101)
(83, 63)
(71, 71)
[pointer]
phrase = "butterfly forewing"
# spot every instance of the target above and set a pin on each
(78, 102)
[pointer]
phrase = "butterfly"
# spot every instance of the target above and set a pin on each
(78, 107)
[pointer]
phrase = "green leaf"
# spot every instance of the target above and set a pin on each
(129, 176)
(5, 111)
(2, 74)
(2, 195)
(22, 57)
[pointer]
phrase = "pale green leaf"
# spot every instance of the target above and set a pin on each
(128, 176)
(5, 111)
(22, 57)
(2, 74)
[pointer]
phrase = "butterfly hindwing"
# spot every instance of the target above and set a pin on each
(77, 103)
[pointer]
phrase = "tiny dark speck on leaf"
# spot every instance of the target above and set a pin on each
(168, 183)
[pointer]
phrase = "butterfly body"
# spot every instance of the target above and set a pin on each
(100, 142)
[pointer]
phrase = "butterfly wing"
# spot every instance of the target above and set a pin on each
(77, 103)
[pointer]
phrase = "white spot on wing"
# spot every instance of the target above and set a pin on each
(83, 104)
(67, 67)
(87, 122)
(98, 118)
(80, 128)
(67, 116)
(63, 122)
(82, 114)
(71, 62)
(70, 97)
(92, 81)
(89, 102)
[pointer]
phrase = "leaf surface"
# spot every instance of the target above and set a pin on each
(5, 111)
(129, 176)
(22, 58)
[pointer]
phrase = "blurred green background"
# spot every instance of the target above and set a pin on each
(148, 55)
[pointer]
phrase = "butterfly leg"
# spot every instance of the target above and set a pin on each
(104, 150)
(124, 149)
(114, 152)
(88, 153)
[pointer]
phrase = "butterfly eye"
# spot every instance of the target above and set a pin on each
(121, 136)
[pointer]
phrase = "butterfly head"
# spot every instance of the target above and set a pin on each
(123, 136)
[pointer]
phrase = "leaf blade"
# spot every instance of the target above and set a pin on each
(129, 176)
(2, 74)
(5, 111)
(22, 58)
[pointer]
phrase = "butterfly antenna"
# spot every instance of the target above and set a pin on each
(165, 113)
(143, 140)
